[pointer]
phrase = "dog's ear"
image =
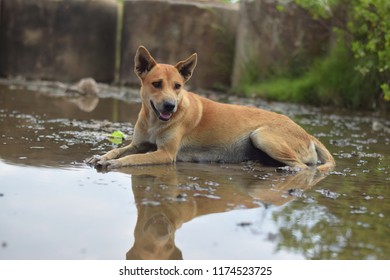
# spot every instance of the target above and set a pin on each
(186, 67)
(144, 62)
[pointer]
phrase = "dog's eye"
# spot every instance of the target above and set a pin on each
(177, 86)
(157, 84)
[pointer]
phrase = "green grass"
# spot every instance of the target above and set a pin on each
(331, 80)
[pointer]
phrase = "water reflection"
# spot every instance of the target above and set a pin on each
(169, 196)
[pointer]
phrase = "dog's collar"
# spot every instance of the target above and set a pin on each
(161, 116)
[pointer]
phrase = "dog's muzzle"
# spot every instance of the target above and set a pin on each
(167, 111)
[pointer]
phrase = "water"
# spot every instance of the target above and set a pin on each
(53, 206)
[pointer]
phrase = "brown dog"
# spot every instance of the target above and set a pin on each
(176, 125)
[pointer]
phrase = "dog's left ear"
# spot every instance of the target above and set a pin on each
(186, 67)
(144, 62)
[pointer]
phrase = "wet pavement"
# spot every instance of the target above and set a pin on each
(53, 206)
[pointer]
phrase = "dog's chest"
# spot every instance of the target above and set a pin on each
(153, 132)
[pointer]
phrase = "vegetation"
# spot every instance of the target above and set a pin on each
(355, 72)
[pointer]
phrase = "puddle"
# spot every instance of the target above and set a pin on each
(52, 206)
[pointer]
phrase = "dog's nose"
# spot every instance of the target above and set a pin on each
(169, 106)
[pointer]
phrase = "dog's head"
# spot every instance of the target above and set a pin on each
(162, 84)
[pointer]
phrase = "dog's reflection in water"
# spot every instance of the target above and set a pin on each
(168, 196)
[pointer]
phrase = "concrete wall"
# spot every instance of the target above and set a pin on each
(173, 30)
(1, 5)
(275, 38)
(58, 40)
(71, 39)
(68, 40)
(1, 36)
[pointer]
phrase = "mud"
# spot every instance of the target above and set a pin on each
(53, 206)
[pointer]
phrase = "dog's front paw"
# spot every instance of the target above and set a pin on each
(109, 164)
(94, 160)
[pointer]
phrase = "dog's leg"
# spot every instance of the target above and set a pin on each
(118, 152)
(157, 157)
(276, 147)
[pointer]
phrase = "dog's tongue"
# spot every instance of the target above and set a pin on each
(165, 116)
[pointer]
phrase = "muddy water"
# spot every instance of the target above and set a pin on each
(53, 206)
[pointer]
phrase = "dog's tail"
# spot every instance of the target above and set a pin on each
(324, 156)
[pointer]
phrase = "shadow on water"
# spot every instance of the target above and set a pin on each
(192, 211)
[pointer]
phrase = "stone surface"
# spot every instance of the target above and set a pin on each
(1, 11)
(67, 40)
(275, 38)
(173, 30)
(58, 40)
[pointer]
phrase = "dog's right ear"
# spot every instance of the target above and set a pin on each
(186, 67)
(144, 62)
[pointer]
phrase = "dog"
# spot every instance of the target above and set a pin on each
(176, 125)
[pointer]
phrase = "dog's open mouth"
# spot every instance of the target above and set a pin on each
(164, 116)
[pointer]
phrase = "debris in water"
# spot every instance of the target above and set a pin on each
(296, 192)
(147, 202)
(378, 126)
(328, 193)
(358, 209)
(211, 196)
(288, 169)
(244, 224)
(181, 197)
(211, 183)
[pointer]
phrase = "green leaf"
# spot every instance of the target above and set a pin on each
(386, 91)
(117, 137)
